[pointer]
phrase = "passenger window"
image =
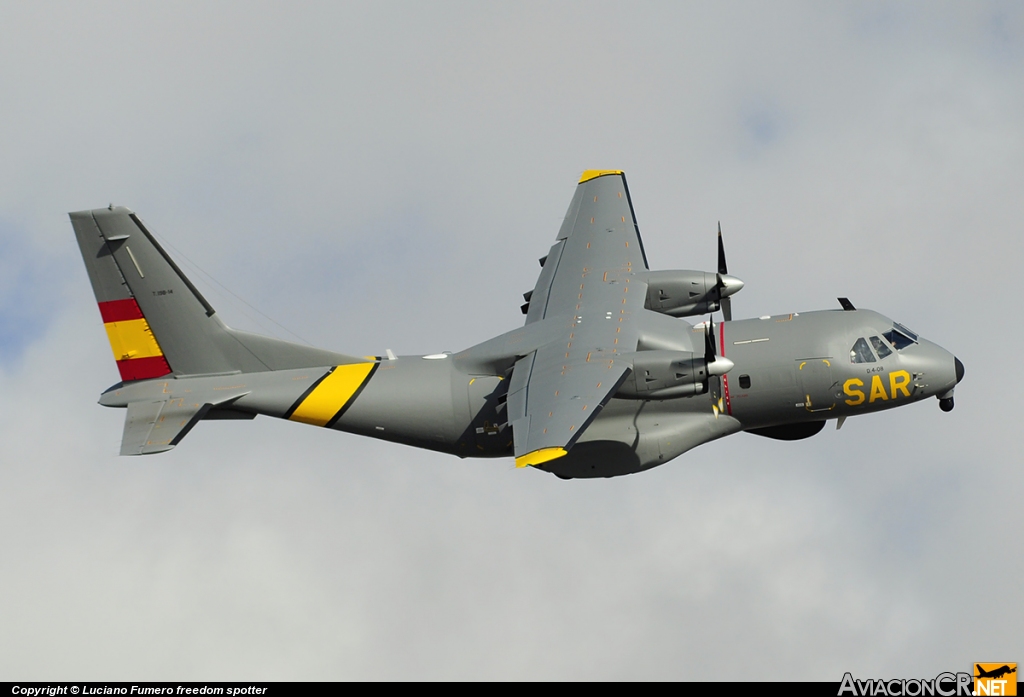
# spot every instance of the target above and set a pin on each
(861, 353)
(881, 348)
(745, 382)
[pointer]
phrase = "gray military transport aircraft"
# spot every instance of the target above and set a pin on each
(603, 379)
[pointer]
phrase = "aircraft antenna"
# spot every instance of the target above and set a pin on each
(209, 277)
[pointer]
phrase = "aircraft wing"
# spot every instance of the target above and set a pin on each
(587, 287)
(599, 233)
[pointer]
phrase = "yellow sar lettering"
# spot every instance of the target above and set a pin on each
(848, 388)
(877, 389)
(898, 383)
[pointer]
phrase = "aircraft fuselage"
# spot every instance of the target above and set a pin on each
(791, 373)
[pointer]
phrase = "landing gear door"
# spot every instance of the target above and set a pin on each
(816, 383)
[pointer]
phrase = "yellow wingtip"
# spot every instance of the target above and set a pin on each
(541, 456)
(595, 173)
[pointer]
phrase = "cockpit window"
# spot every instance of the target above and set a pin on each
(861, 353)
(901, 328)
(900, 336)
(881, 348)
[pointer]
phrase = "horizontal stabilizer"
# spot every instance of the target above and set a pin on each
(155, 427)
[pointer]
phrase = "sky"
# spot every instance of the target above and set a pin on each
(386, 175)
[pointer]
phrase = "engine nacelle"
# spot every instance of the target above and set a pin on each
(665, 375)
(687, 293)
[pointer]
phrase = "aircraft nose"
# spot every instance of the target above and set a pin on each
(959, 369)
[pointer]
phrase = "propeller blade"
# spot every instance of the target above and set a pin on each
(716, 365)
(727, 285)
(710, 350)
(722, 267)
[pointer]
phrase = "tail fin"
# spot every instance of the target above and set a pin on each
(158, 323)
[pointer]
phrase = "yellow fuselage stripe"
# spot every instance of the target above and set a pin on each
(332, 394)
(132, 339)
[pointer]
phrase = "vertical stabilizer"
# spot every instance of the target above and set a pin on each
(158, 323)
(137, 352)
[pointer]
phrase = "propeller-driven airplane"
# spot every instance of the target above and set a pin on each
(603, 379)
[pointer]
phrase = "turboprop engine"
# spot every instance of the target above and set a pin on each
(688, 293)
(671, 374)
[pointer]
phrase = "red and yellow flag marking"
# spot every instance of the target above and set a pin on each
(136, 350)
(327, 399)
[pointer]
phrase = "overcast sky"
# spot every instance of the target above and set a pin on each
(380, 175)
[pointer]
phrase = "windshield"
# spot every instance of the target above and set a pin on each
(860, 353)
(881, 347)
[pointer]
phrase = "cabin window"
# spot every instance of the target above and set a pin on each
(745, 382)
(881, 348)
(861, 352)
